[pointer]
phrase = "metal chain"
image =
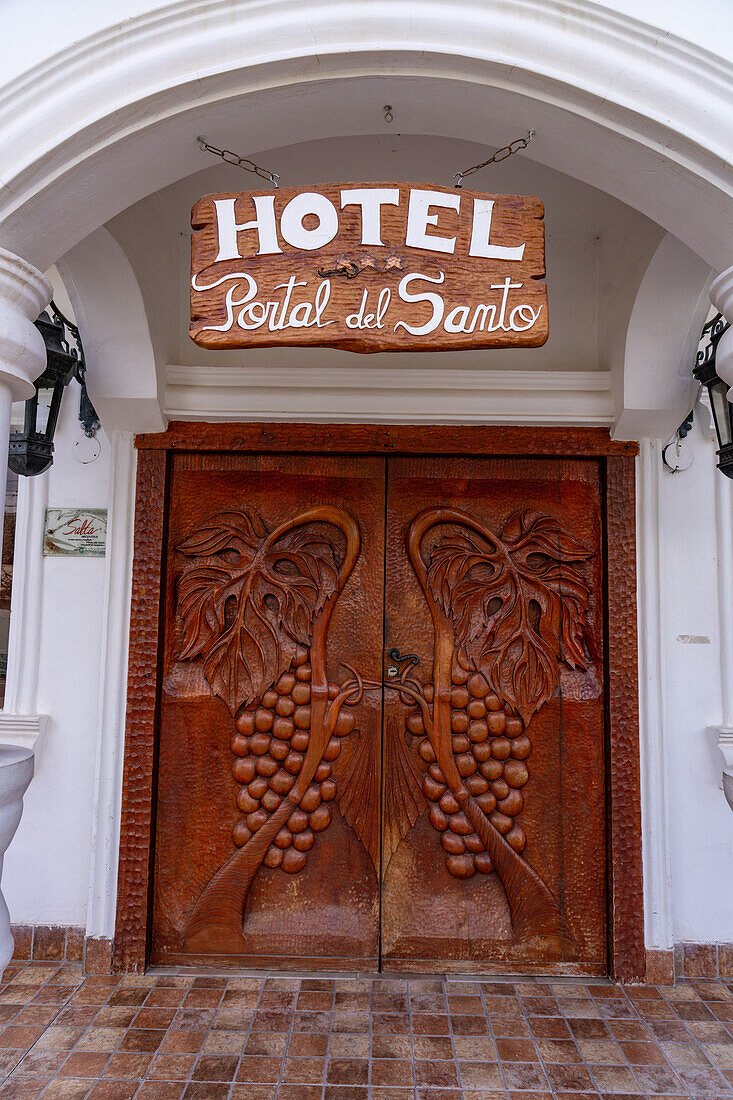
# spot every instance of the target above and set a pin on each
(239, 162)
(515, 146)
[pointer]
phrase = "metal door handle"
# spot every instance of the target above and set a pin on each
(400, 658)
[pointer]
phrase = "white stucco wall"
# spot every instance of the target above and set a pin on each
(46, 875)
(60, 866)
(700, 820)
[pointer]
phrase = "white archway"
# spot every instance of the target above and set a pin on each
(114, 116)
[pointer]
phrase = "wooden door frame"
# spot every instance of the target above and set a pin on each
(617, 470)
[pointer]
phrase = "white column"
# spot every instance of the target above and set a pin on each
(721, 295)
(24, 292)
(655, 807)
(112, 691)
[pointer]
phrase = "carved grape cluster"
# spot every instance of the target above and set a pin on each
(269, 748)
(490, 748)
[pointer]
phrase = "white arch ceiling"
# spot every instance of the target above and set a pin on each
(617, 103)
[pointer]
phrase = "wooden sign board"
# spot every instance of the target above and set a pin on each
(368, 267)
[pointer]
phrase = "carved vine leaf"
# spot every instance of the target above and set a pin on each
(357, 778)
(246, 607)
(518, 604)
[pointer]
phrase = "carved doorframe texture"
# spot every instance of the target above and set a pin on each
(624, 864)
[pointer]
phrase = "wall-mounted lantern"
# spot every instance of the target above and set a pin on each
(31, 451)
(717, 391)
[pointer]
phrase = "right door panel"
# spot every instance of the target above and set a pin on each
(494, 850)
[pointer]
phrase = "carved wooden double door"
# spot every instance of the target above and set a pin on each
(381, 720)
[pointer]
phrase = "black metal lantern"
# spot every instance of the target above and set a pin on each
(717, 389)
(31, 451)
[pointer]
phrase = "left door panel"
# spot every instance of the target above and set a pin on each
(267, 839)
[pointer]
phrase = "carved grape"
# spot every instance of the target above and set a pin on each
(426, 751)
(489, 747)
(271, 801)
(328, 790)
(459, 697)
(304, 840)
(282, 782)
(283, 728)
(240, 834)
(285, 685)
(298, 821)
(259, 743)
(245, 724)
(415, 723)
(266, 766)
(269, 748)
(344, 723)
(263, 720)
(258, 786)
(459, 721)
(332, 750)
(320, 818)
(461, 866)
(293, 861)
(452, 843)
(278, 750)
(246, 802)
(302, 717)
(293, 762)
(243, 769)
(311, 799)
(515, 773)
(273, 857)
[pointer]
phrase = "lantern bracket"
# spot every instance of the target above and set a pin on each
(721, 407)
(31, 451)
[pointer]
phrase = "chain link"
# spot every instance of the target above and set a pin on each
(515, 146)
(239, 162)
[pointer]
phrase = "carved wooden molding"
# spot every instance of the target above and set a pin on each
(255, 606)
(626, 934)
(443, 439)
(133, 881)
(506, 610)
(626, 931)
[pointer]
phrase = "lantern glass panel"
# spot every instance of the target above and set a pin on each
(721, 411)
(43, 409)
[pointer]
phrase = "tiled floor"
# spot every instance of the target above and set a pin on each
(270, 1037)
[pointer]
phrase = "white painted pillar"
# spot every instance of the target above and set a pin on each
(24, 292)
(721, 295)
(652, 715)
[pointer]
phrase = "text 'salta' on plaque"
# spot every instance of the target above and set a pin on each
(368, 267)
(75, 532)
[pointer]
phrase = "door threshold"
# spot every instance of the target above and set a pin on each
(375, 975)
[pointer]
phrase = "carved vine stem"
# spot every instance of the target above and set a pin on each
(217, 917)
(534, 910)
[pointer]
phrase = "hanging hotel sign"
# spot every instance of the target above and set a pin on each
(368, 267)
